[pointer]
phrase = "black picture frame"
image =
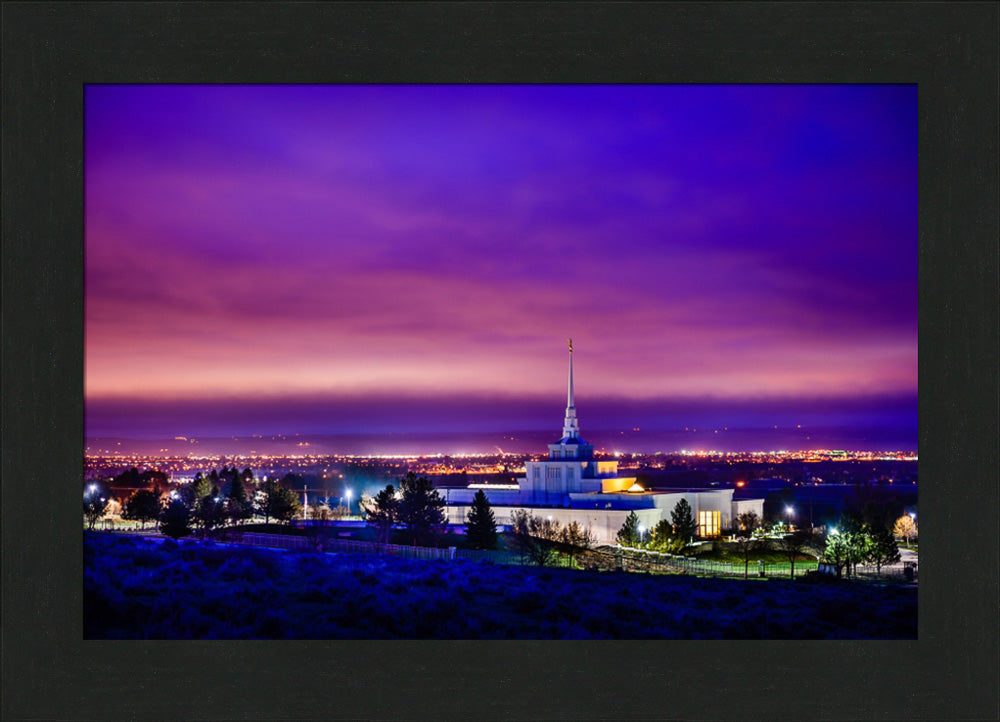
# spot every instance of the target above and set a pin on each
(50, 50)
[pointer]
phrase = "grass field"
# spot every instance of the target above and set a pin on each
(137, 588)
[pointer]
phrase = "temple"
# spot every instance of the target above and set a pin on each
(572, 486)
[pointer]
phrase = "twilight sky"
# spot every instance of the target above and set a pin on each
(403, 258)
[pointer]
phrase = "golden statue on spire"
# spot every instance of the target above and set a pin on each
(570, 345)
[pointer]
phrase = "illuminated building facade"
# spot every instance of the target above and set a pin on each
(572, 486)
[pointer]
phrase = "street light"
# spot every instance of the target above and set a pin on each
(789, 511)
(347, 493)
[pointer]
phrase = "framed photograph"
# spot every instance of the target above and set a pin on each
(485, 349)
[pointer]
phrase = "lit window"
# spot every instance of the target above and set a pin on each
(709, 523)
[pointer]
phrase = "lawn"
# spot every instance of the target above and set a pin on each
(136, 588)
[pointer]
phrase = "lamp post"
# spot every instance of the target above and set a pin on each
(347, 493)
(788, 513)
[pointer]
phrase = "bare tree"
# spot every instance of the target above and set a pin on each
(746, 524)
(792, 545)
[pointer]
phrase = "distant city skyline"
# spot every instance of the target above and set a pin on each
(375, 259)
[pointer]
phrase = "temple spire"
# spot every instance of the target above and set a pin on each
(571, 429)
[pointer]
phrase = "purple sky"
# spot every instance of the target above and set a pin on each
(326, 256)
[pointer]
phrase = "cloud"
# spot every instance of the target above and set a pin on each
(341, 239)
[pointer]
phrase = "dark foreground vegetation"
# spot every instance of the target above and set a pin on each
(159, 589)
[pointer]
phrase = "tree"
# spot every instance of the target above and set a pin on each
(268, 489)
(856, 539)
(527, 529)
(628, 535)
(142, 506)
(836, 551)
(421, 509)
(683, 521)
(574, 534)
(883, 548)
(175, 520)
(283, 504)
(381, 512)
(664, 539)
(520, 521)
(278, 502)
(577, 539)
(746, 524)
(238, 504)
(905, 527)
(209, 514)
(481, 525)
(200, 488)
(792, 545)
(96, 497)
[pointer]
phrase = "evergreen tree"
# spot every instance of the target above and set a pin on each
(175, 520)
(421, 509)
(200, 488)
(682, 520)
(209, 514)
(382, 512)
(481, 527)
(628, 535)
(142, 506)
(664, 539)
(883, 548)
(283, 504)
(267, 491)
(238, 505)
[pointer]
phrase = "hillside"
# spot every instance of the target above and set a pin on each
(138, 588)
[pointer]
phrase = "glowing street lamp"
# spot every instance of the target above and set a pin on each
(347, 493)
(788, 512)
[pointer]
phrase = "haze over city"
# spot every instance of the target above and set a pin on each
(411, 259)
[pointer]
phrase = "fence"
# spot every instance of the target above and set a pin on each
(607, 557)
(641, 561)
(510, 557)
(349, 546)
(906, 571)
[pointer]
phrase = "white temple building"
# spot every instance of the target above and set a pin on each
(572, 486)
